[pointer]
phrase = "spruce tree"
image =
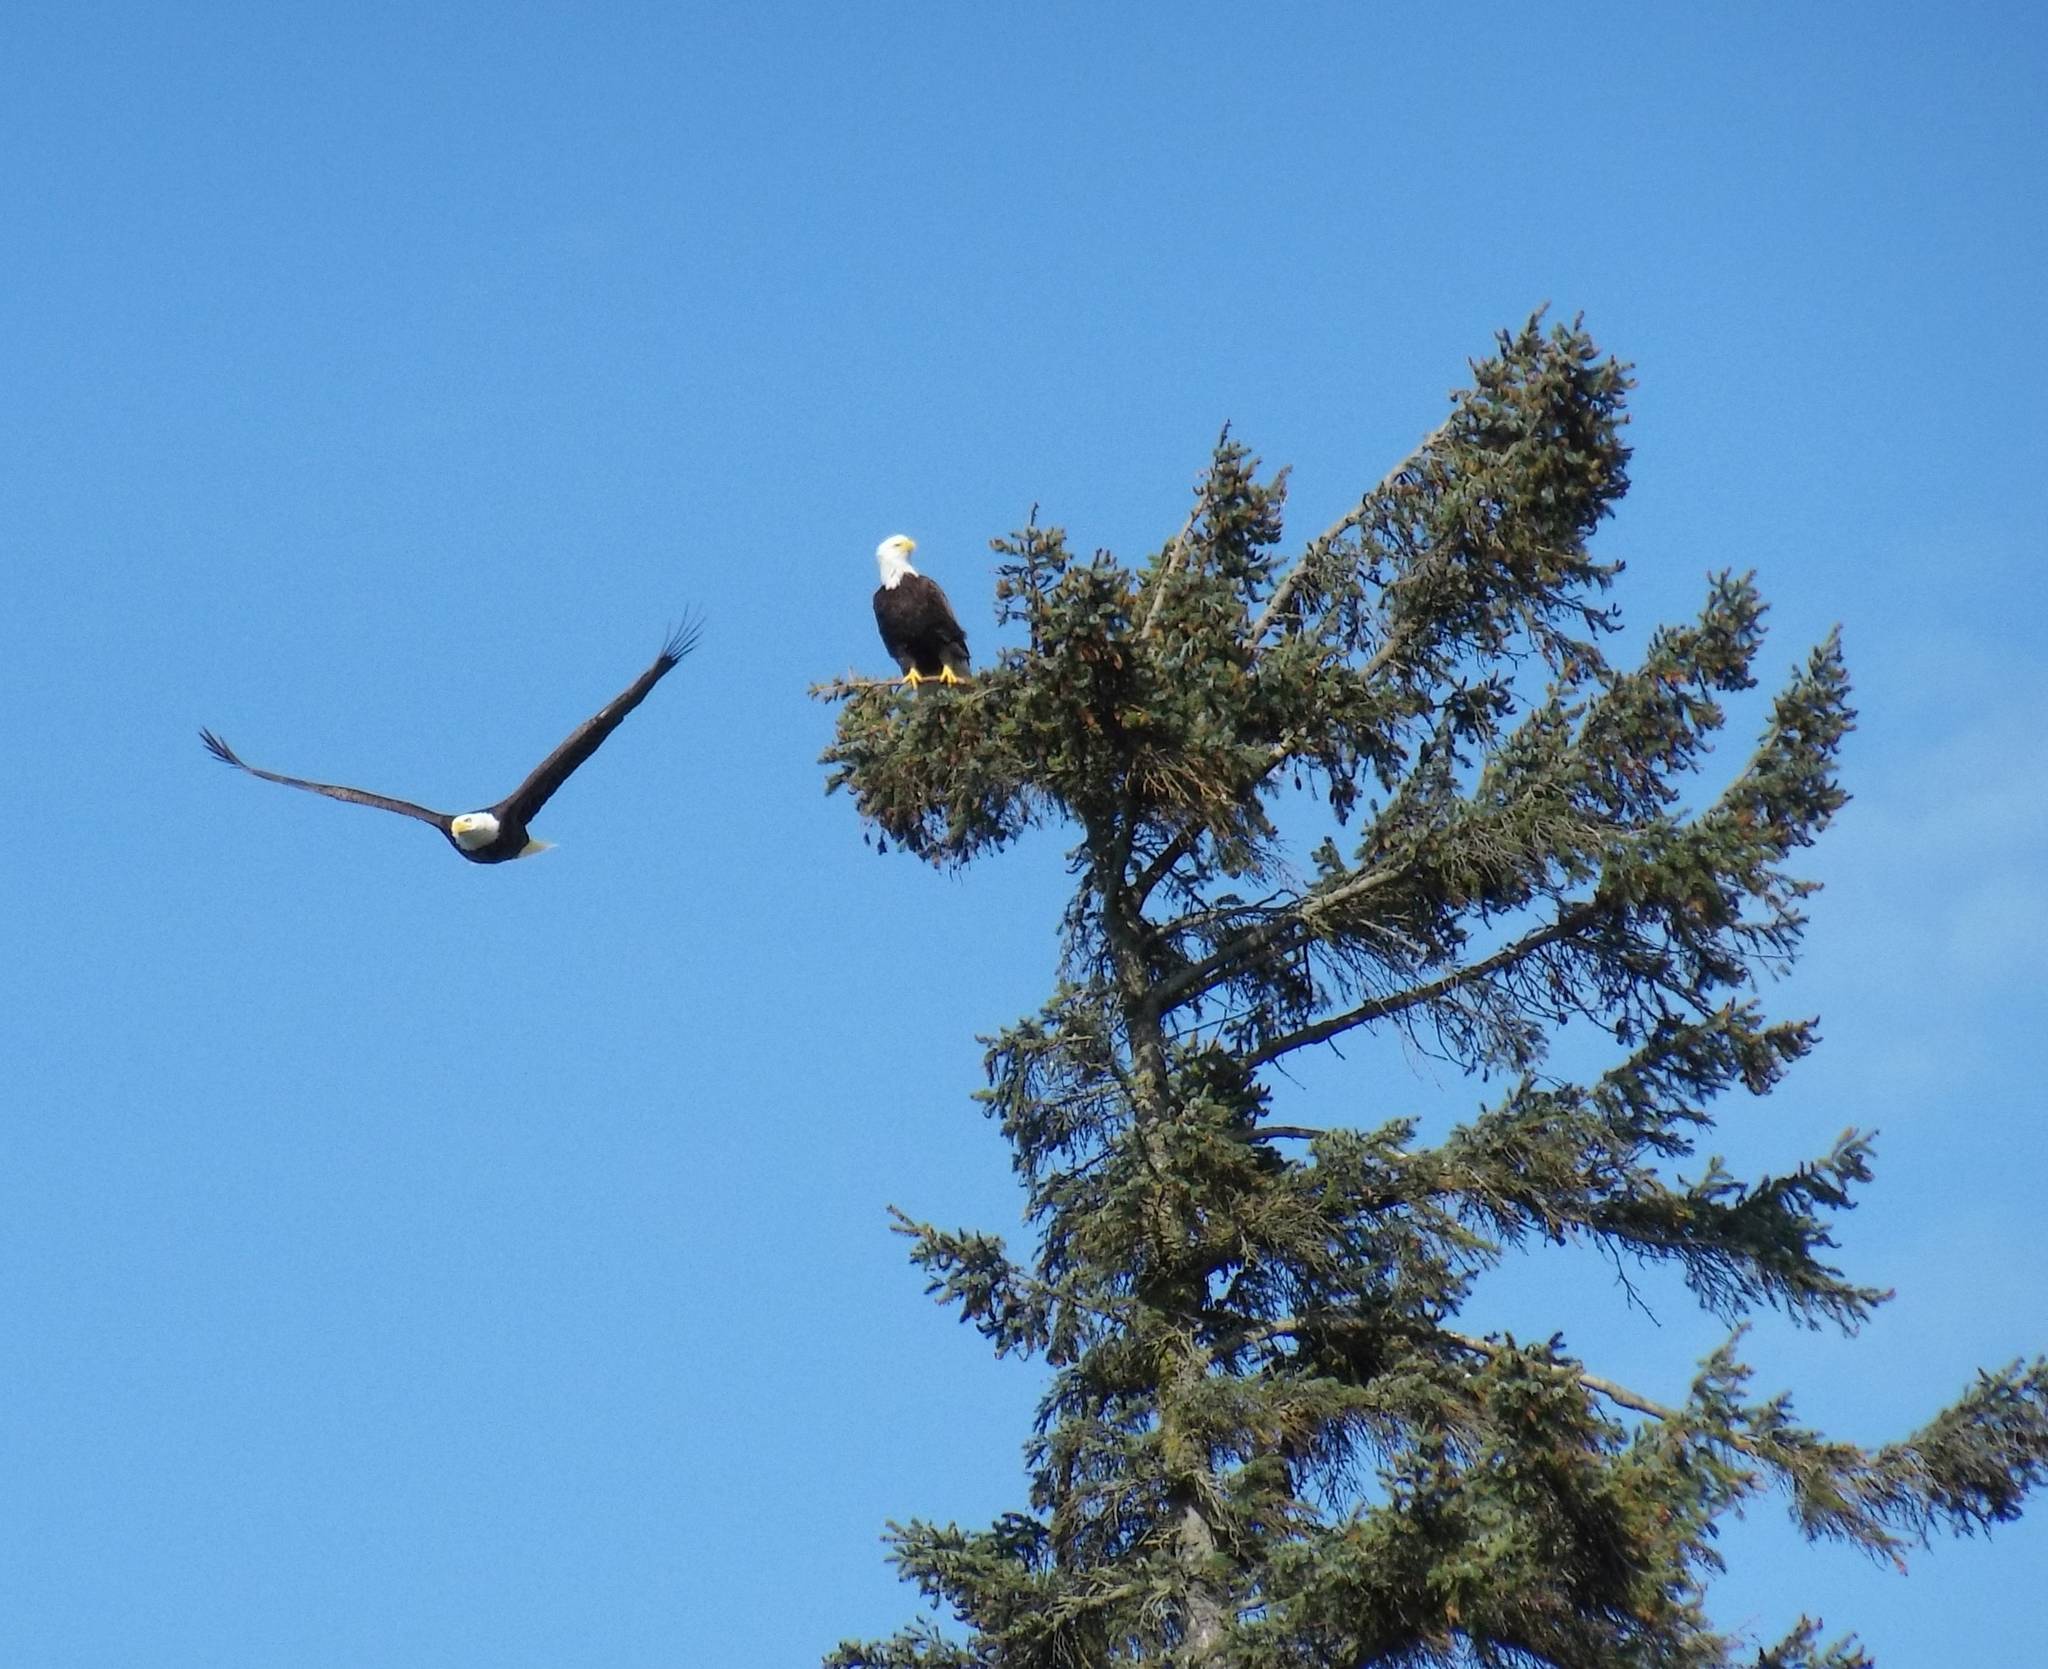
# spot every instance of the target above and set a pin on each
(1393, 782)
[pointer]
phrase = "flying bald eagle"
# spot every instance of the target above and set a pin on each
(917, 622)
(498, 833)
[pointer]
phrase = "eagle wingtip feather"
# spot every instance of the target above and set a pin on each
(683, 639)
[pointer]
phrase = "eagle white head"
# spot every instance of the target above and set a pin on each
(892, 556)
(473, 829)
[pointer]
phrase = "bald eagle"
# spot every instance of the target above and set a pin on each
(917, 622)
(498, 833)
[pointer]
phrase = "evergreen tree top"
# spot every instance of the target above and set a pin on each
(1266, 1442)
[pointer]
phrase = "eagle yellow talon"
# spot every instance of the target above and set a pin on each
(949, 676)
(913, 678)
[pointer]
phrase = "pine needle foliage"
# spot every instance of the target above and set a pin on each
(1266, 1444)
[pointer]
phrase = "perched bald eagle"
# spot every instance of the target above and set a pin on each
(917, 622)
(498, 833)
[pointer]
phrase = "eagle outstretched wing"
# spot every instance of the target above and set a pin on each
(355, 796)
(524, 801)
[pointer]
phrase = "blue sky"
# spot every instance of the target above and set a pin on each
(407, 1263)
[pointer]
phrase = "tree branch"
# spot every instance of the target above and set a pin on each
(1620, 1395)
(1012, 1275)
(1175, 552)
(1284, 592)
(1380, 1007)
(1184, 842)
(838, 689)
(1194, 979)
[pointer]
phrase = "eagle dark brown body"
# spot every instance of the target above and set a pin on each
(917, 623)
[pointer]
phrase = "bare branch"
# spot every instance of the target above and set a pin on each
(1620, 1395)
(838, 689)
(1175, 553)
